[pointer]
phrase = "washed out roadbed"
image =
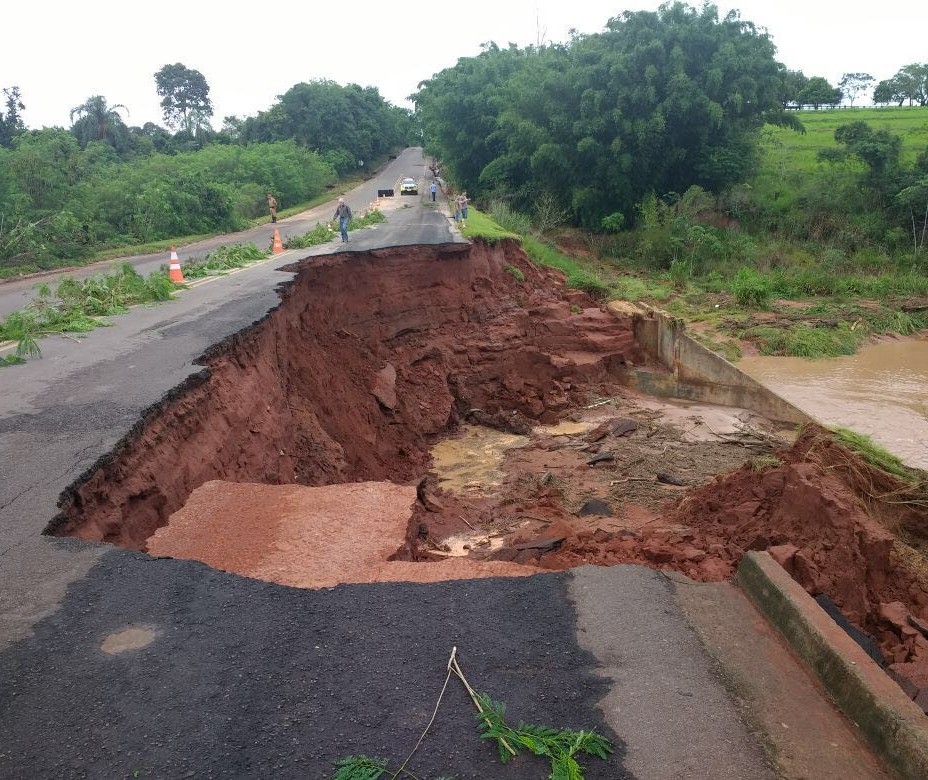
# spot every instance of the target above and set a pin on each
(439, 417)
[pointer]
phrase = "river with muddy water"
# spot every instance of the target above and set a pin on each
(882, 392)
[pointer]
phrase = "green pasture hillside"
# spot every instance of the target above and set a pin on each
(787, 156)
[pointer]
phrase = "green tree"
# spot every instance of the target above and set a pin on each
(889, 91)
(792, 82)
(151, 138)
(347, 123)
(852, 84)
(914, 80)
(659, 102)
(184, 97)
(880, 151)
(45, 164)
(11, 123)
(818, 92)
(909, 83)
(98, 121)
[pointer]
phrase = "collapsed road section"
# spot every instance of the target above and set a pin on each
(305, 452)
(367, 361)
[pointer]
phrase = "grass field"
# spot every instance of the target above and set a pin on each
(788, 156)
(911, 123)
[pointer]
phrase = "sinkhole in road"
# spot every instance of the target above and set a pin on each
(304, 451)
(369, 360)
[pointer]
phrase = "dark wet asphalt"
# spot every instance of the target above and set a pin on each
(251, 679)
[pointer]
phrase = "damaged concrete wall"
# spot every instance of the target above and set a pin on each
(695, 373)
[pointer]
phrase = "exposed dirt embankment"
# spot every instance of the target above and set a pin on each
(368, 358)
(372, 358)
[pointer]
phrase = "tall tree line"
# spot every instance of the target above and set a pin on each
(659, 102)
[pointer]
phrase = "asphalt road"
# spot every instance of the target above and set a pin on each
(231, 677)
(406, 226)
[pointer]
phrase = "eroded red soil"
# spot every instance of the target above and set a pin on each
(373, 358)
(368, 359)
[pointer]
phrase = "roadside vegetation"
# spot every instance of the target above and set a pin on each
(668, 155)
(78, 306)
(102, 189)
(665, 160)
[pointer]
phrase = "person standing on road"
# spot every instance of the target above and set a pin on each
(464, 203)
(272, 206)
(343, 215)
(433, 188)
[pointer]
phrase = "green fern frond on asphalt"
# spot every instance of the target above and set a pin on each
(359, 768)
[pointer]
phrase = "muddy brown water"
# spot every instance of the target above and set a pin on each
(882, 392)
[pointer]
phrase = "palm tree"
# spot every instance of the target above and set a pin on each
(98, 121)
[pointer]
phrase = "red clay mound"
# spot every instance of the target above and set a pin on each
(823, 513)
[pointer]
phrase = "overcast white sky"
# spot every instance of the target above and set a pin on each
(60, 54)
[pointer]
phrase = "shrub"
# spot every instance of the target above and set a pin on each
(751, 289)
(513, 221)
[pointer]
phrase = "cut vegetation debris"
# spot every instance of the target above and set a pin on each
(78, 306)
(559, 746)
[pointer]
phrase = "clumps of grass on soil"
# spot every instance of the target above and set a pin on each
(802, 340)
(479, 225)
(895, 494)
(579, 276)
(761, 462)
(875, 455)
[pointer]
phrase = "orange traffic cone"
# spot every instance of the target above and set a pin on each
(278, 244)
(175, 274)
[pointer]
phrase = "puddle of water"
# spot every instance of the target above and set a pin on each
(134, 638)
(471, 464)
(460, 545)
(882, 391)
